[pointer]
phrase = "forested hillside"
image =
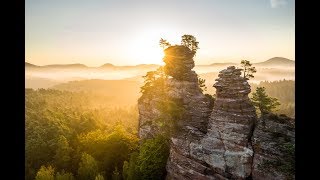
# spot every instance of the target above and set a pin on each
(71, 134)
(284, 91)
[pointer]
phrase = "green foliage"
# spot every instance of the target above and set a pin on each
(171, 110)
(154, 82)
(284, 164)
(116, 174)
(284, 91)
(45, 173)
(88, 167)
(153, 157)
(202, 84)
(64, 176)
(62, 157)
(211, 99)
(131, 168)
(190, 42)
(55, 121)
(247, 69)
(164, 43)
(111, 149)
(99, 177)
(263, 102)
(149, 162)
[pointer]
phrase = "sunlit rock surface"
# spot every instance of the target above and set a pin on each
(223, 142)
(225, 150)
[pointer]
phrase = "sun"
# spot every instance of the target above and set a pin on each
(144, 47)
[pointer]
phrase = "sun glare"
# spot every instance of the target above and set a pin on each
(145, 49)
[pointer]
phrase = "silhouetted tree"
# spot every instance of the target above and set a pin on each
(154, 81)
(263, 102)
(164, 43)
(190, 42)
(247, 69)
(202, 84)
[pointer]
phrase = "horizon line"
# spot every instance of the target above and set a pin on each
(150, 63)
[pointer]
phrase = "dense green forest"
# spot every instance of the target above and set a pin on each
(71, 134)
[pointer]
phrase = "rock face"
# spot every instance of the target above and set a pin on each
(214, 143)
(179, 62)
(225, 150)
(273, 142)
(182, 87)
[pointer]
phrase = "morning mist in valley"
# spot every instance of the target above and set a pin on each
(130, 90)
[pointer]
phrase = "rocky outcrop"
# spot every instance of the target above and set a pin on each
(218, 143)
(225, 150)
(179, 62)
(181, 87)
(273, 142)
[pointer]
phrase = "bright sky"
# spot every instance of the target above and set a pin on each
(127, 32)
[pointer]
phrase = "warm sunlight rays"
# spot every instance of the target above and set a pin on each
(145, 49)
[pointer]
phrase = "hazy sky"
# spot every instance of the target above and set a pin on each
(94, 32)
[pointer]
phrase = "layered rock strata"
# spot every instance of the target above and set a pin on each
(226, 142)
(225, 150)
(183, 87)
(273, 142)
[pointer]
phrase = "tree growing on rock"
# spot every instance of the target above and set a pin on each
(202, 84)
(154, 81)
(263, 102)
(190, 42)
(164, 43)
(247, 69)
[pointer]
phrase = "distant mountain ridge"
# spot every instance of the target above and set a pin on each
(275, 61)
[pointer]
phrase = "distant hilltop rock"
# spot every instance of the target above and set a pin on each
(276, 61)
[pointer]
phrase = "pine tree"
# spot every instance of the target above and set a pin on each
(263, 102)
(247, 69)
(164, 43)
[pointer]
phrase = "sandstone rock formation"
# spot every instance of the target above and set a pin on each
(273, 142)
(182, 87)
(179, 62)
(225, 150)
(214, 143)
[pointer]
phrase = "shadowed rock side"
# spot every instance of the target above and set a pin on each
(273, 142)
(179, 62)
(183, 87)
(225, 151)
(216, 144)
